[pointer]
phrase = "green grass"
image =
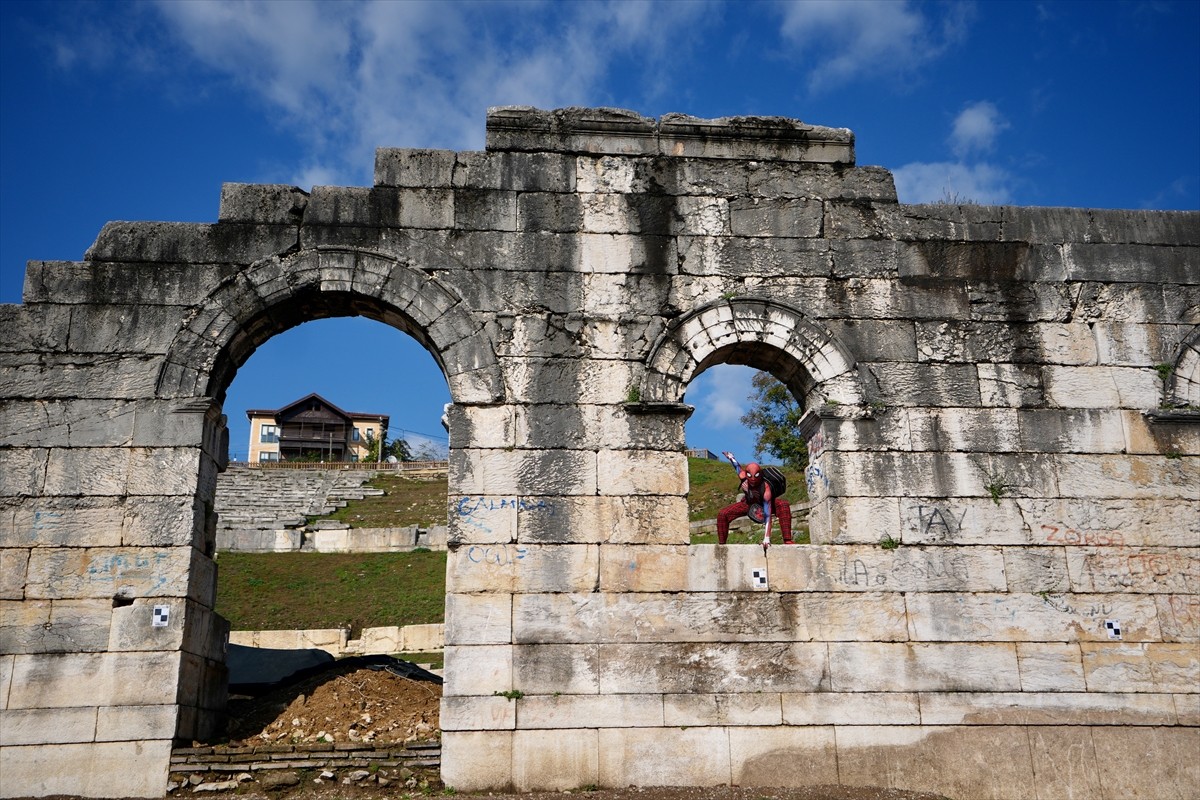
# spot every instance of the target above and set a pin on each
(267, 591)
(409, 501)
(264, 591)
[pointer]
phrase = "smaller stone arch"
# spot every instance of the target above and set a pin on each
(279, 292)
(1182, 388)
(756, 332)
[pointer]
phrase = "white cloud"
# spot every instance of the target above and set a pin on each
(843, 41)
(976, 128)
(352, 76)
(950, 180)
(721, 395)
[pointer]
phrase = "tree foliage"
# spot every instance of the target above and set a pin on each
(775, 415)
(397, 447)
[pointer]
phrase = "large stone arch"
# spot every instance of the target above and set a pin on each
(757, 332)
(1183, 386)
(280, 292)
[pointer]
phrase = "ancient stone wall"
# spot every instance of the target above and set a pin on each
(1002, 595)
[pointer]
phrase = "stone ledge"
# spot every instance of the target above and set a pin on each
(620, 132)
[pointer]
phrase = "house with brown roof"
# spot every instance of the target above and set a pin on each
(313, 429)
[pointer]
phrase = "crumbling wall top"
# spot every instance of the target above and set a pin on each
(620, 132)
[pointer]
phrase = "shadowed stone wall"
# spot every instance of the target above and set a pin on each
(1006, 396)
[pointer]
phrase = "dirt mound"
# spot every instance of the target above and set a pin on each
(347, 705)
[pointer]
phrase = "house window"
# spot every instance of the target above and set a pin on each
(269, 434)
(354, 435)
(268, 456)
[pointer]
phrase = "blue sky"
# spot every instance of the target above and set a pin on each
(139, 111)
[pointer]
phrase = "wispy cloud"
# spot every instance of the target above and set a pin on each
(976, 128)
(349, 77)
(844, 41)
(721, 395)
(948, 181)
(968, 178)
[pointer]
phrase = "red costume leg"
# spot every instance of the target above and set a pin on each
(727, 515)
(783, 512)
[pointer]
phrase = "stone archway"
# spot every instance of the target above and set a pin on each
(279, 292)
(757, 332)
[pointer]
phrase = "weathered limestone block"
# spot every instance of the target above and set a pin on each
(1064, 761)
(411, 167)
(991, 762)
(1144, 570)
(168, 471)
(87, 471)
(904, 384)
(331, 640)
(479, 426)
(641, 472)
(1102, 387)
(1027, 302)
(14, 562)
(851, 708)
(724, 568)
(971, 341)
(1128, 476)
(482, 669)
(69, 282)
(67, 423)
(774, 217)
(486, 519)
(190, 626)
(1046, 708)
(166, 522)
(938, 520)
(779, 756)
(70, 376)
(1010, 385)
(86, 770)
(1179, 616)
(707, 617)
(1162, 759)
(568, 381)
(715, 668)
(545, 472)
(643, 568)
(477, 760)
(1121, 263)
(619, 520)
(35, 328)
(1050, 667)
(1070, 431)
(123, 329)
(554, 760)
(478, 619)
(79, 679)
(876, 340)
(1138, 302)
(1111, 522)
(1036, 569)
(663, 757)
(971, 430)
(60, 573)
(132, 723)
(477, 209)
(591, 711)
(1018, 616)
(620, 253)
(183, 242)
(722, 256)
(557, 669)
(474, 713)
(906, 569)
(59, 626)
(523, 568)
(43, 726)
(913, 667)
(1187, 709)
(262, 203)
(701, 710)
(1147, 667)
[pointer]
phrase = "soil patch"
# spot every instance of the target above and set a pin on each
(339, 705)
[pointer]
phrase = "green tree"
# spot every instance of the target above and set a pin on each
(775, 415)
(397, 447)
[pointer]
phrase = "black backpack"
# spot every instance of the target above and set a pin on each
(776, 479)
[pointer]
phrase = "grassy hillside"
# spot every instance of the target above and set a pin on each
(259, 591)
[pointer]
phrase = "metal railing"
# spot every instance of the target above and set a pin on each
(399, 466)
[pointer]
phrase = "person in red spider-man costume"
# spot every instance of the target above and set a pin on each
(757, 503)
